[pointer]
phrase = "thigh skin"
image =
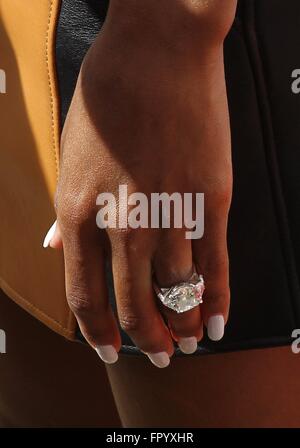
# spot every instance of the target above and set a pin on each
(254, 388)
(46, 381)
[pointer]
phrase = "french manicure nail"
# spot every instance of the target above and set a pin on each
(160, 359)
(49, 235)
(215, 327)
(188, 345)
(107, 353)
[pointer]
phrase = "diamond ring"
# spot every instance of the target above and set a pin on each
(184, 296)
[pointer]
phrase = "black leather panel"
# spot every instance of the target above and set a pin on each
(79, 24)
(279, 46)
(262, 237)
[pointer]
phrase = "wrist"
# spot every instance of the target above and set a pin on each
(193, 23)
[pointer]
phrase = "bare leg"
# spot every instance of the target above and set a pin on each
(46, 381)
(256, 388)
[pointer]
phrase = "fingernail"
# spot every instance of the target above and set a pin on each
(107, 353)
(188, 345)
(160, 360)
(215, 327)
(49, 235)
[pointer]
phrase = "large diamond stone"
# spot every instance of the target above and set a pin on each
(184, 296)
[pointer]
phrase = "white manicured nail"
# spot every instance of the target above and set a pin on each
(215, 327)
(107, 353)
(188, 345)
(160, 359)
(49, 235)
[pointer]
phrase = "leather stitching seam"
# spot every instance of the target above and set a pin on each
(50, 87)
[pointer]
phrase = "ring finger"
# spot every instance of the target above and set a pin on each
(173, 264)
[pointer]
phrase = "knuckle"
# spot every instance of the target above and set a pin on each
(74, 210)
(80, 303)
(137, 322)
(219, 192)
(221, 199)
(132, 235)
(131, 323)
(224, 192)
(126, 237)
(224, 196)
(130, 244)
(132, 252)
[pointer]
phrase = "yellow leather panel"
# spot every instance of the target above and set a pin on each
(29, 139)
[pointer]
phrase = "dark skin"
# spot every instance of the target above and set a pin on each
(246, 389)
(157, 99)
